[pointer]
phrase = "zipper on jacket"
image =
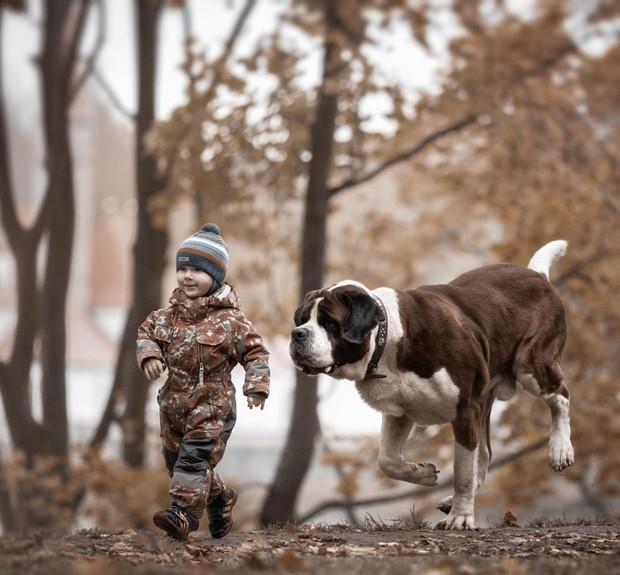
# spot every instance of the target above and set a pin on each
(201, 369)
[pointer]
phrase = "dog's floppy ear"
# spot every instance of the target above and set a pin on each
(364, 315)
(308, 297)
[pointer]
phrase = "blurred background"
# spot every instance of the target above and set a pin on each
(396, 142)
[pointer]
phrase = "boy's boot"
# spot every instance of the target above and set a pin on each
(176, 522)
(220, 513)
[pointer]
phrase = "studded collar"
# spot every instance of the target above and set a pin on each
(380, 341)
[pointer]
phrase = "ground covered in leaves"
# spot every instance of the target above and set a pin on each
(321, 550)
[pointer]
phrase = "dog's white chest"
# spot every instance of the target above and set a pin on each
(426, 401)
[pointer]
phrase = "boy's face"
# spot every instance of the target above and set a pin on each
(193, 281)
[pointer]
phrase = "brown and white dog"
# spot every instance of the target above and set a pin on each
(443, 354)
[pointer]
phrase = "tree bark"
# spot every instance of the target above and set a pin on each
(41, 309)
(56, 84)
(150, 245)
(279, 505)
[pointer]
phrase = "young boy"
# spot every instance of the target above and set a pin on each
(199, 338)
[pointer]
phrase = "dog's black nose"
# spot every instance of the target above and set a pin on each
(299, 335)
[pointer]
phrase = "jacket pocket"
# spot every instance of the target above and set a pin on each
(213, 345)
(211, 337)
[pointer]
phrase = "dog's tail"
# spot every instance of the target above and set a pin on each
(546, 256)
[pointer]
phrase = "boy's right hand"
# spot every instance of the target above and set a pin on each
(153, 368)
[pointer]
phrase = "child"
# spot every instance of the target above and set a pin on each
(199, 338)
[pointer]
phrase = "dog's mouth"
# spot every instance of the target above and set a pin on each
(312, 369)
(306, 362)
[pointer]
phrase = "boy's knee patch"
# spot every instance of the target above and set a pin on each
(195, 455)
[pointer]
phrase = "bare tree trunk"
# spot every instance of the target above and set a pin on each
(14, 374)
(151, 243)
(56, 83)
(41, 310)
(64, 22)
(279, 505)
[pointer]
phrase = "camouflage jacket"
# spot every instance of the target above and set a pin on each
(211, 330)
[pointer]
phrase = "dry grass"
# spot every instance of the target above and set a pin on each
(411, 522)
(548, 522)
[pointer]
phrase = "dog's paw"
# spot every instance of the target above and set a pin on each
(424, 474)
(561, 453)
(445, 504)
(457, 521)
(418, 473)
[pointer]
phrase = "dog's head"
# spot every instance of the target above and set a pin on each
(333, 328)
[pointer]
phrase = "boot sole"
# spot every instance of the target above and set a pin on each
(169, 527)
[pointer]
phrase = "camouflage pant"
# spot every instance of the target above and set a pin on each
(194, 438)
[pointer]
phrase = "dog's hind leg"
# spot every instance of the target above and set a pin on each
(394, 433)
(555, 394)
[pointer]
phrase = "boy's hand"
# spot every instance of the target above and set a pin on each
(153, 368)
(256, 400)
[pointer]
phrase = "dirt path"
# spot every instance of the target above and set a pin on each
(514, 551)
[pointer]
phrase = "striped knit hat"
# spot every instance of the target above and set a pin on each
(205, 250)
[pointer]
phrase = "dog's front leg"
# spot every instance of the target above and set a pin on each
(470, 417)
(466, 429)
(394, 433)
(461, 514)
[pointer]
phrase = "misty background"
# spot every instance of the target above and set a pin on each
(396, 143)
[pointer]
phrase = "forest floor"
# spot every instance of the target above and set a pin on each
(322, 550)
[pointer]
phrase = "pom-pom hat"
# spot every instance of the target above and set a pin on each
(205, 250)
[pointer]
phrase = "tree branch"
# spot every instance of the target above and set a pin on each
(564, 51)
(72, 35)
(187, 22)
(236, 32)
(89, 64)
(406, 155)
(337, 503)
(108, 417)
(13, 229)
(219, 64)
(348, 502)
(112, 97)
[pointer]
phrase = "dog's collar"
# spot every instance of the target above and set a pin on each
(380, 341)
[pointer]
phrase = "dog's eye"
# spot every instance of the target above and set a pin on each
(330, 324)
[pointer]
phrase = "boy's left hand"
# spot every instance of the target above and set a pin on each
(256, 400)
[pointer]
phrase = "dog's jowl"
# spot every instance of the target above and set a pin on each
(443, 354)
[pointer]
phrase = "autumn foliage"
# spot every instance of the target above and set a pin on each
(515, 144)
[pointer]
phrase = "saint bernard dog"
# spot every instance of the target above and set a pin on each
(443, 354)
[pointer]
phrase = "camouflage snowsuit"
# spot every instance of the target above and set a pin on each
(197, 412)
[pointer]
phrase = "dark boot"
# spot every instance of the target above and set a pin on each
(176, 522)
(220, 513)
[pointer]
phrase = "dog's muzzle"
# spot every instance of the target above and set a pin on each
(298, 349)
